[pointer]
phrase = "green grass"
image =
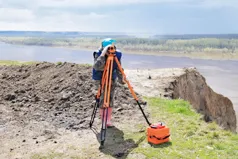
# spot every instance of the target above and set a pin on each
(191, 137)
(59, 63)
(9, 62)
(18, 63)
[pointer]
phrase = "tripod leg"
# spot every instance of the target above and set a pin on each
(131, 90)
(93, 114)
(102, 84)
(104, 126)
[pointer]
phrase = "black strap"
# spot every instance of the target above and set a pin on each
(94, 54)
(143, 113)
(160, 138)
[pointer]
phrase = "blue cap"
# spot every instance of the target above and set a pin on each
(107, 42)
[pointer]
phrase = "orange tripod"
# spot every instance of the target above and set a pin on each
(106, 86)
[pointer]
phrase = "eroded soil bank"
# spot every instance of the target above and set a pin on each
(46, 107)
(190, 85)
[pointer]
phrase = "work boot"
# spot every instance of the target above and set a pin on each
(109, 116)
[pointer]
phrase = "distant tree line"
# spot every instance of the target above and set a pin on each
(197, 36)
(210, 45)
(193, 45)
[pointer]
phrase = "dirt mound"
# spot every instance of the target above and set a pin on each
(62, 95)
(189, 85)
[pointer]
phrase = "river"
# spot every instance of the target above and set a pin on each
(221, 76)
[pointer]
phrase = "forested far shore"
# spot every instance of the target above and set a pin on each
(202, 45)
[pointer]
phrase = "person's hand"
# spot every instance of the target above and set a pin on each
(105, 50)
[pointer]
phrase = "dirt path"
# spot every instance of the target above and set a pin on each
(41, 139)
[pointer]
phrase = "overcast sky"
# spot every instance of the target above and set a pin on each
(148, 16)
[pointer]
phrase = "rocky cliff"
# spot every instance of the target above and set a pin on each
(189, 85)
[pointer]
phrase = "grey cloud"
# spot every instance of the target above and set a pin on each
(58, 14)
(16, 15)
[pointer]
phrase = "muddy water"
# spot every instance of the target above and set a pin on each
(222, 76)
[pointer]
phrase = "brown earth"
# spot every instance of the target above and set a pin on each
(40, 102)
(189, 85)
(52, 93)
(45, 109)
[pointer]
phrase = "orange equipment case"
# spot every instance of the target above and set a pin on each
(158, 133)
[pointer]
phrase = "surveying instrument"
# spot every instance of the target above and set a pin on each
(105, 88)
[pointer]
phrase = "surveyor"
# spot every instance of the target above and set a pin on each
(100, 57)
